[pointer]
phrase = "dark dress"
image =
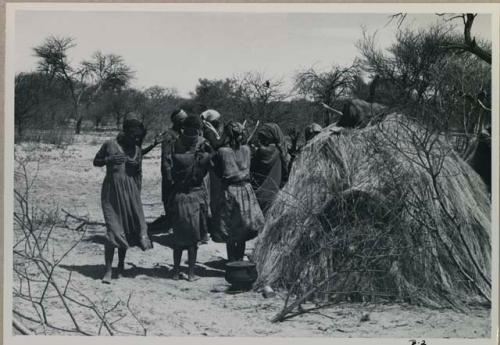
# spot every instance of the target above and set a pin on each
(188, 203)
(212, 180)
(239, 216)
(267, 172)
(121, 198)
(212, 139)
(169, 139)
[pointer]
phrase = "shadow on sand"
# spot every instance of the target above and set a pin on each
(96, 272)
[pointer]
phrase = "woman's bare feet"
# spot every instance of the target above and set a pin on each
(107, 277)
(176, 275)
(192, 278)
(121, 269)
(145, 243)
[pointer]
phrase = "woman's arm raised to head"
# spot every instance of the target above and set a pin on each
(100, 157)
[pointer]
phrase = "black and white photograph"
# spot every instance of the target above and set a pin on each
(256, 171)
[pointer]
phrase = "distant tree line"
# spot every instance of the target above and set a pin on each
(431, 73)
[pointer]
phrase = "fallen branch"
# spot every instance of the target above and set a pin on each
(20, 327)
(288, 309)
(144, 329)
(81, 219)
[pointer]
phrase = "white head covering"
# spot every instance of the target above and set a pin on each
(178, 116)
(210, 115)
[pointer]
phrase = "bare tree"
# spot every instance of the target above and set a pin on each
(406, 68)
(85, 80)
(468, 44)
(259, 95)
(108, 71)
(53, 60)
(325, 88)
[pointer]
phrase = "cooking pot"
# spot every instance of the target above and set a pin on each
(241, 274)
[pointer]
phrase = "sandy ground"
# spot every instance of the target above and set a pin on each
(67, 179)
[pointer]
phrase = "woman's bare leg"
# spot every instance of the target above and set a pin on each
(121, 260)
(240, 250)
(177, 262)
(230, 251)
(192, 251)
(109, 252)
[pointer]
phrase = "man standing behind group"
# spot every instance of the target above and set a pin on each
(177, 118)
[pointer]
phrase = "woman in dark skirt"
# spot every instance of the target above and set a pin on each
(239, 218)
(269, 168)
(189, 160)
(121, 196)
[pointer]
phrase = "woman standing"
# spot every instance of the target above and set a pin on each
(269, 164)
(120, 195)
(240, 217)
(189, 161)
(212, 127)
(213, 133)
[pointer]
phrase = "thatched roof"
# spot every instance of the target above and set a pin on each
(390, 210)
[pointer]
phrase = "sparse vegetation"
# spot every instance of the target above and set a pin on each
(390, 212)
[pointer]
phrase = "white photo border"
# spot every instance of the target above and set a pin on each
(366, 8)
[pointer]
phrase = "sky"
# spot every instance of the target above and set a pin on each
(175, 49)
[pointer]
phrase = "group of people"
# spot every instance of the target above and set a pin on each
(216, 180)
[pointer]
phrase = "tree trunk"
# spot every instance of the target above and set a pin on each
(118, 116)
(78, 127)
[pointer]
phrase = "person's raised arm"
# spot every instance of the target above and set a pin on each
(100, 157)
(158, 140)
(147, 149)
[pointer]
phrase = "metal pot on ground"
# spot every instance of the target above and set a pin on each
(241, 274)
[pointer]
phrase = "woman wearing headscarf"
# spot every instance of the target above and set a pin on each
(189, 162)
(269, 167)
(120, 195)
(169, 137)
(212, 128)
(240, 217)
